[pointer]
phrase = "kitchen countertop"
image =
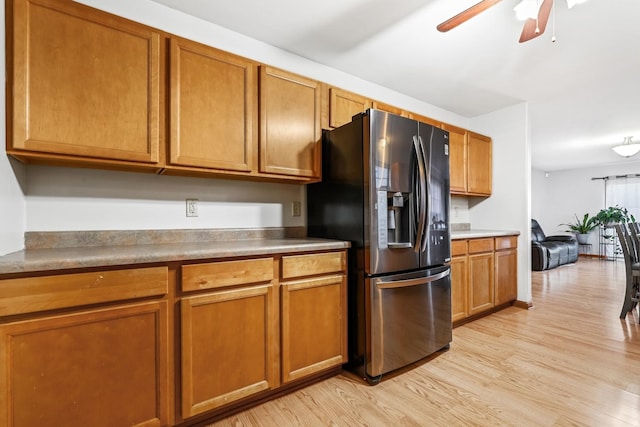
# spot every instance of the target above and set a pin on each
(475, 234)
(74, 250)
(38, 259)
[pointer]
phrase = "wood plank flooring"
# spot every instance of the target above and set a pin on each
(568, 361)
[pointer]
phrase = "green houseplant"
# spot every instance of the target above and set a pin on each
(613, 215)
(583, 227)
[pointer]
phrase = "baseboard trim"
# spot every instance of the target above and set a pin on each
(523, 304)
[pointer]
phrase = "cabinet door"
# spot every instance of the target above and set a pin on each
(479, 164)
(425, 119)
(290, 129)
(104, 367)
(506, 289)
(229, 347)
(344, 105)
(480, 282)
(213, 108)
(85, 85)
(313, 325)
(457, 158)
(459, 285)
(389, 108)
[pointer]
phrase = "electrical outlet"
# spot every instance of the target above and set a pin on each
(295, 209)
(192, 207)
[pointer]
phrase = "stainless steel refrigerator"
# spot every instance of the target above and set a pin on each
(385, 188)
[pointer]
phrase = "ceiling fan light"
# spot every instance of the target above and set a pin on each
(571, 3)
(627, 148)
(527, 9)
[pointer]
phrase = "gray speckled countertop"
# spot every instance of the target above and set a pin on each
(62, 254)
(475, 234)
(72, 250)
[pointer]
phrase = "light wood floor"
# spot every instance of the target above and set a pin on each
(569, 361)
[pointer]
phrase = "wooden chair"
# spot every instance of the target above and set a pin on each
(631, 253)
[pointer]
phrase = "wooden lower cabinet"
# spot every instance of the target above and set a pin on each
(313, 325)
(313, 313)
(459, 280)
(103, 367)
(156, 346)
(480, 282)
(228, 343)
(262, 323)
(483, 275)
(506, 270)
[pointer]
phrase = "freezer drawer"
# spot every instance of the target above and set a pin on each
(410, 318)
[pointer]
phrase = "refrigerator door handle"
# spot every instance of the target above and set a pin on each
(427, 200)
(421, 194)
(411, 282)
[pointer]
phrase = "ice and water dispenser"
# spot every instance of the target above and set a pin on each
(394, 219)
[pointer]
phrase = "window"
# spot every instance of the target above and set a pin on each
(624, 191)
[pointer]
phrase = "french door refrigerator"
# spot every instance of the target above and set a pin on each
(385, 188)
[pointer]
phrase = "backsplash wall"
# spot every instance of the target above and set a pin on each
(61, 199)
(459, 210)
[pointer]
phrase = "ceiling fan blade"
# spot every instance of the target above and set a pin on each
(465, 15)
(529, 30)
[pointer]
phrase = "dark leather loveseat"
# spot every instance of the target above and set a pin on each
(551, 251)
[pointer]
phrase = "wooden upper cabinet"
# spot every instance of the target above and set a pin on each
(389, 108)
(425, 119)
(470, 157)
(86, 85)
(344, 105)
(457, 158)
(479, 163)
(290, 129)
(213, 108)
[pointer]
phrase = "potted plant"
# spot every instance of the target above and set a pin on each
(614, 215)
(583, 227)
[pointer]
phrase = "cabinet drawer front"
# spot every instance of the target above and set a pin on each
(480, 245)
(458, 247)
(506, 242)
(307, 265)
(33, 294)
(226, 273)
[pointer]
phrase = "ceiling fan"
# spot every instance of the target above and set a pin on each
(533, 26)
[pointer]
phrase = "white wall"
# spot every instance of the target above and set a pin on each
(558, 195)
(509, 206)
(85, 199)
(12, 179)
(538, 194)
(459, 210)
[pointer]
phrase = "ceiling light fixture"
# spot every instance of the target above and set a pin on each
(627, 148)
(571, 3)
(527, 9)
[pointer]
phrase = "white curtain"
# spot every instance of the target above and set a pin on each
(624, 192)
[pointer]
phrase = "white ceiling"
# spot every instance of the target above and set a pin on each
(583, 91)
